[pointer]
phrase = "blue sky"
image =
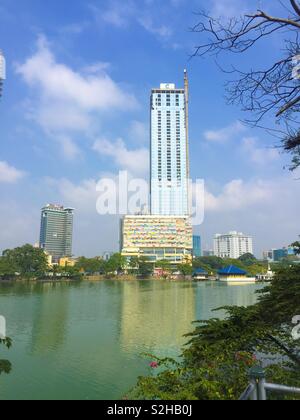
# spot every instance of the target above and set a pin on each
(76, 107)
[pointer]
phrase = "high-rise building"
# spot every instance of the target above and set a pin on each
(2, 71)
(157, 238)
(232, 245)
(169, 151)
(197, 248)
(165, 234)
(57, 231)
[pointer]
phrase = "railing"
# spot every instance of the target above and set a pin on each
(258, 387)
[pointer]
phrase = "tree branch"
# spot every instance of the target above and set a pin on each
(269, 18)
(295, 6)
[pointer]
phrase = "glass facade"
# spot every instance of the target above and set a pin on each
(169, 160)
(57, 231)
(197, 249)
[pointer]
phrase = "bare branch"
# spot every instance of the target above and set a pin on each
(295, 6)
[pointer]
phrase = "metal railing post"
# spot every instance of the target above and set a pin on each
(257, 376)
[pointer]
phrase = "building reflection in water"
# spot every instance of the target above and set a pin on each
(155, 316)
(50, 316)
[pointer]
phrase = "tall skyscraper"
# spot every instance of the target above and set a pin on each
(57, 231)
(2, 71)
(232, 245)
(169, 151)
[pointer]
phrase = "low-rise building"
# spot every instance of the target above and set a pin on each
(232, 274)
(67, 262)
(200, 274)
(157, 238)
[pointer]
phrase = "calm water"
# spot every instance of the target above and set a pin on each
(84, 341)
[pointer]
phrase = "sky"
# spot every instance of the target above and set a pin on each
(75, 108)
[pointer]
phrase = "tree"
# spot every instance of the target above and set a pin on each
(5, 365)
(186, 269)
(116, 263)
(296, 246)
(164, 265)
(145, 268)
(219, 353)
(27, 260)
(261, 92)
(89, 265)
(7, 269)
(248, 259)
(213, 263)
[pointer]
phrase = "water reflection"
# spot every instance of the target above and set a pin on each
(84, 341)
(155, 315)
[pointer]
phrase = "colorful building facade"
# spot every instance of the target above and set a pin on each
(157, 238)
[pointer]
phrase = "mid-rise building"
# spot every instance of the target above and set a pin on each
(2, 71)
(57, 231)
(197, 249)
(277, 255)
(232, 245)
(169, 151)
(157, 238)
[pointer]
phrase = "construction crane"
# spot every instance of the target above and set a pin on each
(2, 71)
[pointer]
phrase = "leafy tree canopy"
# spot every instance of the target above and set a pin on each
(216, 360)
(27, 260)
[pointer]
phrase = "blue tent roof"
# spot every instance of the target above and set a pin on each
(199, 271)
(232, 270)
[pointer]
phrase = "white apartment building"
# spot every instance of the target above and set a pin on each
(232, 245)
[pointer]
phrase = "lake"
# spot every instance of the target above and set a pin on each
(86, 340)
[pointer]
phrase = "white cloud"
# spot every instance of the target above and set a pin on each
(238, 194)
(224, 134)
(162, 31)
(139, 132)
(69, 148)
(228, 8)
(135, 161)
(67, 101)
(9, 174)
(122, 14)
(256, 154)
(59, 82)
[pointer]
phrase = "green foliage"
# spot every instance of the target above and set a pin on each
(7, 268)
(216, 360)
(186, 269)
(5, 365)
(26, 260)
(90, 265)
(247, 262)
(212, 264)
(248, 259)
(165, 266)
(116, 263)
(296, 246)
(140, 266)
